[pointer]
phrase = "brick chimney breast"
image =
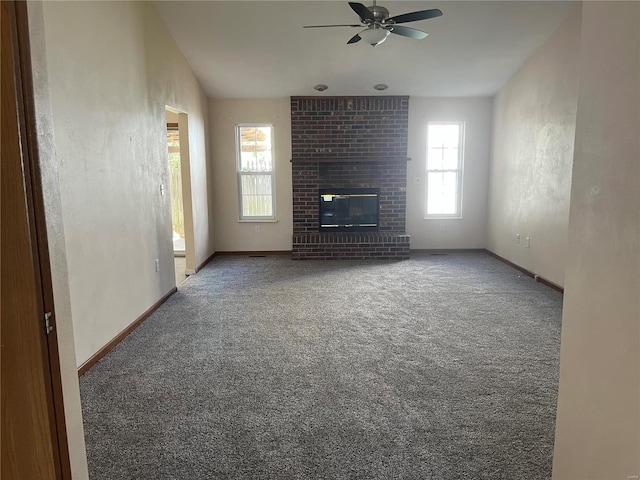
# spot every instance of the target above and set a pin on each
(349, 142)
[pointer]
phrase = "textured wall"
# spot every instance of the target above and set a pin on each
(469, 230)
(49, 169)
(533, 135)
(233, 235)
(112, 69)
(598, 421)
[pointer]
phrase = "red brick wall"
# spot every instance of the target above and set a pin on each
(349, 142)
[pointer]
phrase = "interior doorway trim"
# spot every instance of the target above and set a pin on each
(187, 198)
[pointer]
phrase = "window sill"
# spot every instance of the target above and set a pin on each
(442, 218)
(258, 220)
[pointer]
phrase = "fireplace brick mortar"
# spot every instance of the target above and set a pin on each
(349, 142)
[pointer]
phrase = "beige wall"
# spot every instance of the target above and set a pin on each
(598, 421)
(532, 153)
(49, 168)
(113, 67)
(232, 235)
(468, 231)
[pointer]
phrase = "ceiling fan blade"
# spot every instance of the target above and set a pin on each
(362, 11)
(407, 32)
(415, 16)
(326, 26)
(354, 39)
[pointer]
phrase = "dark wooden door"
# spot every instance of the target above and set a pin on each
(30, 431)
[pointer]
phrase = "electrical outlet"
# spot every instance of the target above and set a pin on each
(257, 228)
(157, 264)
(517, 238)
(528, 240)
(162, 190)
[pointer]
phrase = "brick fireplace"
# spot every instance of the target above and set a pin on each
(349, 142)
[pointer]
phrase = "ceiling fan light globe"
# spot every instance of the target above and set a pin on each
(374, 36)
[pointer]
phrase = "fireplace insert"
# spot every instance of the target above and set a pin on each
(352, 209)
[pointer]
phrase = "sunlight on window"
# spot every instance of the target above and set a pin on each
(444, 169)
(255, 171)
(256, 196)
(255, 153)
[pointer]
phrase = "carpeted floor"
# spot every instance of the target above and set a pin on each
(435, 368)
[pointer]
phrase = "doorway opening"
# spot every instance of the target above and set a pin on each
(175, 189)
(180, 193)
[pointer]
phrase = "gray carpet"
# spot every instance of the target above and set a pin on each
(438, 367)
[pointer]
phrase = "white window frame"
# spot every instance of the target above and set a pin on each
(240, 174)
(459, 171)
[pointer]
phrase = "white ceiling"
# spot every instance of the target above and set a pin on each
(258, 49)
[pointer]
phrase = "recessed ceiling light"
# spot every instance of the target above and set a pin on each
(381, 86)
(321, 87)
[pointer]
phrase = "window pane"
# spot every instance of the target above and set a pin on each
(443, 144)
(440, 158)
(450, 158)
(256, 161)
(434, 158)
(255, 149)
(444, 135)
(444, 168)
(442, 193)
(256, 196)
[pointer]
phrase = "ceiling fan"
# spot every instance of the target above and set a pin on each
(379, 24)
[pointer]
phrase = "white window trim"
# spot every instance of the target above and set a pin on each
(259, 220)
(461, 147)
(239, 174)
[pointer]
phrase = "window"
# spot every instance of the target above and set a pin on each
(444, 169)
(255, 172)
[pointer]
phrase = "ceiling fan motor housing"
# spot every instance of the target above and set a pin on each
(379, 13)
